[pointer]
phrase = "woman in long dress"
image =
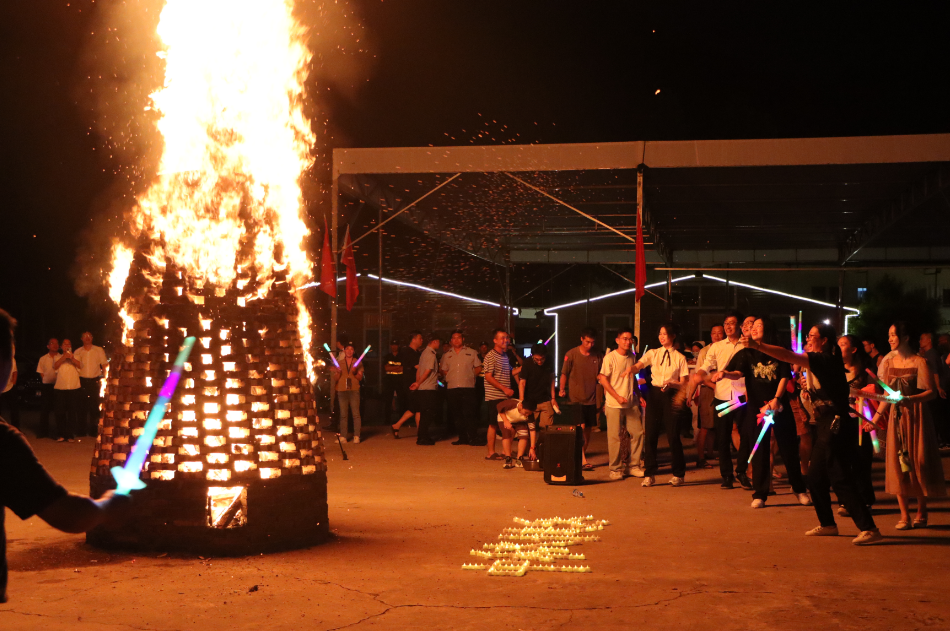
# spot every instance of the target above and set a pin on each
(913, 467)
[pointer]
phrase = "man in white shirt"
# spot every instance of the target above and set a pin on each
(669, 373)
(68, 394)
(47, 371)
(716, 360)
(93, 362)
(622, 407)
(460, 364)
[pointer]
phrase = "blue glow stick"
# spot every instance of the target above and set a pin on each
(732, 408)
(127, 477)
(767, 419)
(893, 394)
(332, 356)
(365, 350)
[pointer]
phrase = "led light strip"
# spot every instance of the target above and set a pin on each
(778, 293)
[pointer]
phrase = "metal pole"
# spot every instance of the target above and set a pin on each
(669, 295)
(379, 349)
(508, 301)
(334, 211)
(636, 304)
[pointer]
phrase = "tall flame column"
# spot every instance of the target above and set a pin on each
(237, 465)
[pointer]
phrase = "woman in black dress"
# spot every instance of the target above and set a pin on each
(765, 381)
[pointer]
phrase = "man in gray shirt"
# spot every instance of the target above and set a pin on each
(426, 386)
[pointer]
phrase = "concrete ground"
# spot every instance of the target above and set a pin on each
(405, 517)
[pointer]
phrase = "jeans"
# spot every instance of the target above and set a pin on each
(349, 402)
(660, 417)
(462, 412)
(619, 419)
(834, 465)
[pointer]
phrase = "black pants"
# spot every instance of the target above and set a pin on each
(10, 402)
(865, 460)
(786, 435)
(660, 418)
(834, 465)
(47, 406)
(428, 403)
(462, 404)
(394, 388)
(68, 404)
(89, 410)
(724, 440)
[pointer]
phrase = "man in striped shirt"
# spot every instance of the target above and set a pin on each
(497, 372)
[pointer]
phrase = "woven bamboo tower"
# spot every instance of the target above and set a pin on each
(238, 463)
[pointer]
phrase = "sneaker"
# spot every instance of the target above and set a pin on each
(843, 511)
(744, 481)
(868, 536)
(461, 442)
(343, 439)
(356, 440)
(728, 483)
(61, 440)
(616, 475)
(648, 481)
(823, 531)
(757, 503)
(803, 499)
(676, 481)
(518, 463)
(636, 472)
(508, 463)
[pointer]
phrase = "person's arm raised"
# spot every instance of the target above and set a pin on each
(779, 353)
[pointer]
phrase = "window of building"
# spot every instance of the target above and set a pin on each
(862, 292)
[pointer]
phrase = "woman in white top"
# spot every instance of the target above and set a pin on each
(669, 374)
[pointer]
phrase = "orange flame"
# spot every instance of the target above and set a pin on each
(236, 141)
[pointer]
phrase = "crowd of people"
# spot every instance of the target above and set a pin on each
(824, 411)
(69, 391)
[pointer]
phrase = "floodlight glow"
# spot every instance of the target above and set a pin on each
(127, 477)
(767, 420)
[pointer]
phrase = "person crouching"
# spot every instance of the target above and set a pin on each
(516, 420)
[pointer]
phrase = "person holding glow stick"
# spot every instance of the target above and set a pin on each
(765, 380)
(348, 376)
(856, 363)
(717, 358)
(30, 490)
(912, 460)
(833, 459)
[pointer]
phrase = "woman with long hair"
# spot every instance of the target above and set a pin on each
(833, 458)
(856, 364)
(765, 381)
(913, 467)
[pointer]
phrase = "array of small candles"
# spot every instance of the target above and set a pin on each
(538, 545)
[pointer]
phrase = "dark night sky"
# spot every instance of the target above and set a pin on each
(439, 72)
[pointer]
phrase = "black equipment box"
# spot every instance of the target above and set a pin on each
(562, 454)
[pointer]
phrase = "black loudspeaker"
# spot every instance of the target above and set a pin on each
(563, 454)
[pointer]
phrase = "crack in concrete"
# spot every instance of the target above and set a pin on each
(81, 619)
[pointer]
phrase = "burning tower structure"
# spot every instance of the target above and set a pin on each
(215, 251)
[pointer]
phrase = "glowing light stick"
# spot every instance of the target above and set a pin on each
(365, 350)
(127, 477)
(332, 356)
(792, 328)
(550, 338)
(767, 420)
(799, 344)
(729, 406)
(874, 441)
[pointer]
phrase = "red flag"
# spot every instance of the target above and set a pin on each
(327, 267)
(641, 272)
(352, 286)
